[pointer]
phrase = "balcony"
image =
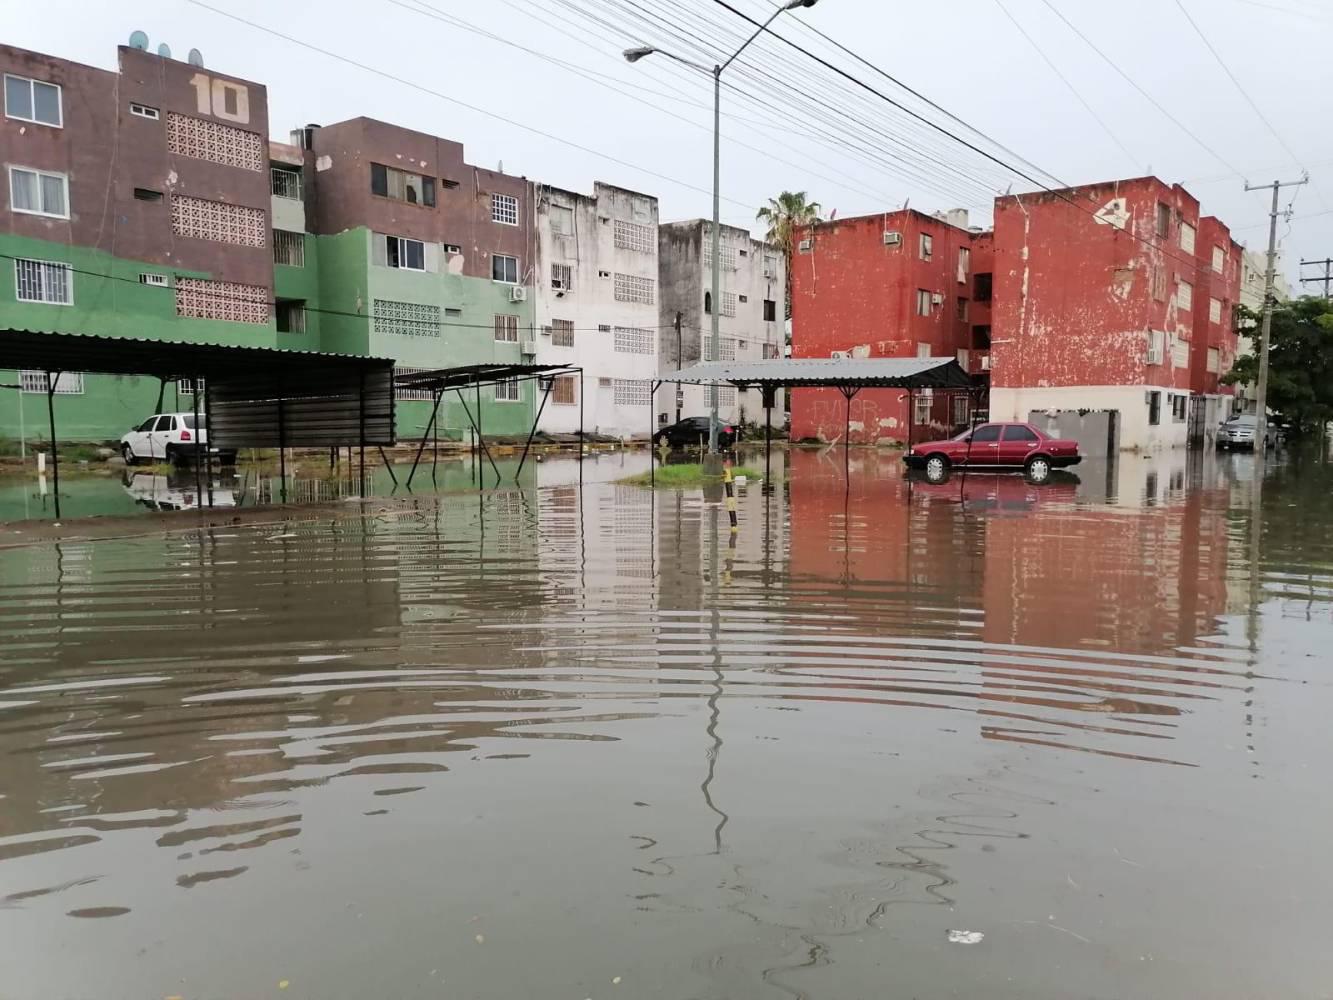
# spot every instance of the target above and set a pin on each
(285, 183)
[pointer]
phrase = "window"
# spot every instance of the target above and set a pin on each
(156, 280)
(66, 383)
(632, 288)
(629, 392)
(770, 311)
(922, 302)
(406, 319)
(1214, 310)
(1187, 237)
(1156, 346)
(288, 248)
(401, 393)
(961, 410)
(562, 277)
(44, 281)
(922, 350)
(728, 303)
(1017, 432)
(1214, 361)
(504, 209)
(927, 246)
(603, 328)
(960, 309)
(218, 221)
(506, 328)
(708, 303)
(201, 139)
(1154, 408)
(727, 255)
(986, 432)
(725, 396)
(1179, 408)
(564, 390)
(1185, 295)
(633, 236)
(1159, 283)
(562, 220)
(964, 264)
(726, 347)
(921, 404)
(453, 313)
(32, 101)
(451, 248)
(399, 252)
(388, 182)
(504, 268)
(285, 182)
(448, 184)
(1163, 219)
(507, 391)
(35, 192)
(634, 340)
(1219, 259)
(770, 352)
(562, 332)
(185, 387)
(290, 316)
(743, 299)
(147, 194)
(197, 298)
(981, 287)
(144, 111)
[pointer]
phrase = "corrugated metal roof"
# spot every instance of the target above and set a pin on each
(889, 373)
(443, 379)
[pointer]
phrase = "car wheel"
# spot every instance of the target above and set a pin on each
(173, 455)
(128, 454)
(1038, 469)
(937, 469)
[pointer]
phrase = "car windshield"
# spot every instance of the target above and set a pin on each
(1243, 421)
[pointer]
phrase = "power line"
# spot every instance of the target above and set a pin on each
(1147, 96)
(1065, 80)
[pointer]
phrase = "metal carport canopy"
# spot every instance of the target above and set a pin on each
(858, 373)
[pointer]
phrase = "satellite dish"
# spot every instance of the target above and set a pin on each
(196, 58)
(164, 50)
(139, 40)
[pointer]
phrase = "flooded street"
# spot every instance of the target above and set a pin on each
(568, 743)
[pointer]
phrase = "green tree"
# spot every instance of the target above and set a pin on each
(1300, 363)
(786, 215)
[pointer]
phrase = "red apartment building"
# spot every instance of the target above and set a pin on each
(1113, 297)
(896, 285)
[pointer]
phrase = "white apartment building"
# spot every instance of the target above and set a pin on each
(752, 315)
(1253, 279)
(596, 308)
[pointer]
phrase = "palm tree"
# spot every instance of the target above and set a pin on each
(786, 215)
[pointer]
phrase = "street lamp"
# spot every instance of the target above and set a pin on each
(633, 56)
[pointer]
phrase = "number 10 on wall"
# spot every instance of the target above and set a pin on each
(221, 98)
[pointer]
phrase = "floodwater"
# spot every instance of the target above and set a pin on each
(569, 743)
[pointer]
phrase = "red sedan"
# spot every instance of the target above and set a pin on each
(990, 446)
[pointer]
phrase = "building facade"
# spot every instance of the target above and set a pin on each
(1095, 305)
(751, 316)
(894, 285)
(135, 203)
(1253, 280)
(596, 280)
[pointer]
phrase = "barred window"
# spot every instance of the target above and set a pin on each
(504, 209)
(633, 236)
(44, 281)
(197, 298)
(406, 319)
(562, 333)
(629, 392)
(66, 383)
(288, 248)
(218, 221)
(726, 345)
(770, 351)
(728, 257)
(728, 303)
(508, 391)
(185, 386)
(285, 182)
(564, 390)
(632, 288)
(506, 328)
(634, 340)
(401, 394)
(726, 396)
(201, 139)
(562, 277)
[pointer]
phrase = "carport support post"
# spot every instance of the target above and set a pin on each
(546, 392)
(198, 472)
(55, 451)
(422, 447)
(769, 392)
(848, 391)
(361, 431)
(208, 437)
(652, 427)
(161, 391)
(282, 442)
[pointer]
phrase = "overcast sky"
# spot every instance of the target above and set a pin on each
(789, 123)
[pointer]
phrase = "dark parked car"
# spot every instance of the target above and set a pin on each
(692, 432)
(991, 446)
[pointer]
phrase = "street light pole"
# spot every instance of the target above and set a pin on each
(715, 337)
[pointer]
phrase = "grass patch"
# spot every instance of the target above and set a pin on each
(679, 477)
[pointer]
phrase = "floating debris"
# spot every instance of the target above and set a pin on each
(965, 937)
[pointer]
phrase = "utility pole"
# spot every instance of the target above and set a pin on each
(1261, 390)
(1326, 277)
(680, 363)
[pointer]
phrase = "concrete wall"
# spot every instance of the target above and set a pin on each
(1136, 434)
(594, 259)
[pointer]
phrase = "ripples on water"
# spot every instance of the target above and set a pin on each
(525, 743)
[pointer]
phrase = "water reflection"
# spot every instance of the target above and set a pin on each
(526, 741)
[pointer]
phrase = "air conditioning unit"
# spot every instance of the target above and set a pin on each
(770, 272)
(840, 355)
(805, 246)
(937, 299)
(527, 346)
(892, 239)
(985, 362)
(861, 351)
(518, 294)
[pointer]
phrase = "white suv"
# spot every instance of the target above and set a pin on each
(169, 437)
